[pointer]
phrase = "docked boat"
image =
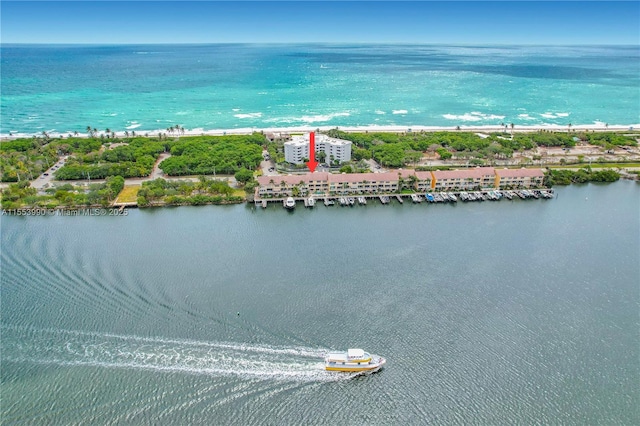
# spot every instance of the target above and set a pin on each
(353, 360)
(310, 202)
(362, 201)
(289, 203)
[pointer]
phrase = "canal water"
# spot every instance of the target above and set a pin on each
(510, 312)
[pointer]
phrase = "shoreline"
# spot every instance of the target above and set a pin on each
(350, 129)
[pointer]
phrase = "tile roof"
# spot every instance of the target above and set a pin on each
(475, 173)
(520, 172)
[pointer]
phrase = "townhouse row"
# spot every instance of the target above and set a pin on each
(370, 183)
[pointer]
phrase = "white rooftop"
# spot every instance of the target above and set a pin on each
(355, 353)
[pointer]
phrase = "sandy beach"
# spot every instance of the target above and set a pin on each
(600, 127)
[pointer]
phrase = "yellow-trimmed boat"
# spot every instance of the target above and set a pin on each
(353, 360)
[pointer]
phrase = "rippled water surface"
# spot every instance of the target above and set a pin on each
(522, 312)
(148, 88)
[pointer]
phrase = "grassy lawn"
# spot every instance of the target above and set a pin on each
(239, 193)
(129, 194)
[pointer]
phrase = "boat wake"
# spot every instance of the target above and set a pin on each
(74, 348)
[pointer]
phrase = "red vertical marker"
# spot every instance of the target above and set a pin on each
(312, 163)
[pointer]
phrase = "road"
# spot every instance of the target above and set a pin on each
(45, 180)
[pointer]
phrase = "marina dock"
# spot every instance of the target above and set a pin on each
(416, 198)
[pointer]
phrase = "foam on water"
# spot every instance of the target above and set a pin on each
(77, 348)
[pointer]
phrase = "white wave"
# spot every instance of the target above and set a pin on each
(473, 116)
(71, 348)
(249, 115)
(525, 117)
(308, 118)
(399, 111)
(133, 125)
(380, 112)
(554, 115)
(182, 113)
(320, 117)
(235, 109)
(464, 117)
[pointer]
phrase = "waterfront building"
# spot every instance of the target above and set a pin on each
(279, 186)
(363, 183)
(463, 180)
(423, 181)
(297, 149)
(323, 183)
(516, 178)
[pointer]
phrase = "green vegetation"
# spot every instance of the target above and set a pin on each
(243, 176)
(20, 195)
(567, 177)
(132, 159)
(600, 164)
(204, 191)
(129, 194)
(205, 155)
(25, 159)
(608, 140)
(399, 149)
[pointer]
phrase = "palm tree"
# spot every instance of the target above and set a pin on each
(202, 183)
(126, 133)
(413, 179)
(569, 127)
(107, 131)
(512, 126)
(89, 131)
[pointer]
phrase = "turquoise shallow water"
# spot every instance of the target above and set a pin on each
(62, 89)
(521, 312)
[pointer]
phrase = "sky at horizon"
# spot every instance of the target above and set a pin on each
(430, 22)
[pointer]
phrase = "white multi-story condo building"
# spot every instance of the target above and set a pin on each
(297, 149)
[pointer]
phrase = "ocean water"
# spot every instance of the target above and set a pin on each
(64, 89)
(513, 312)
